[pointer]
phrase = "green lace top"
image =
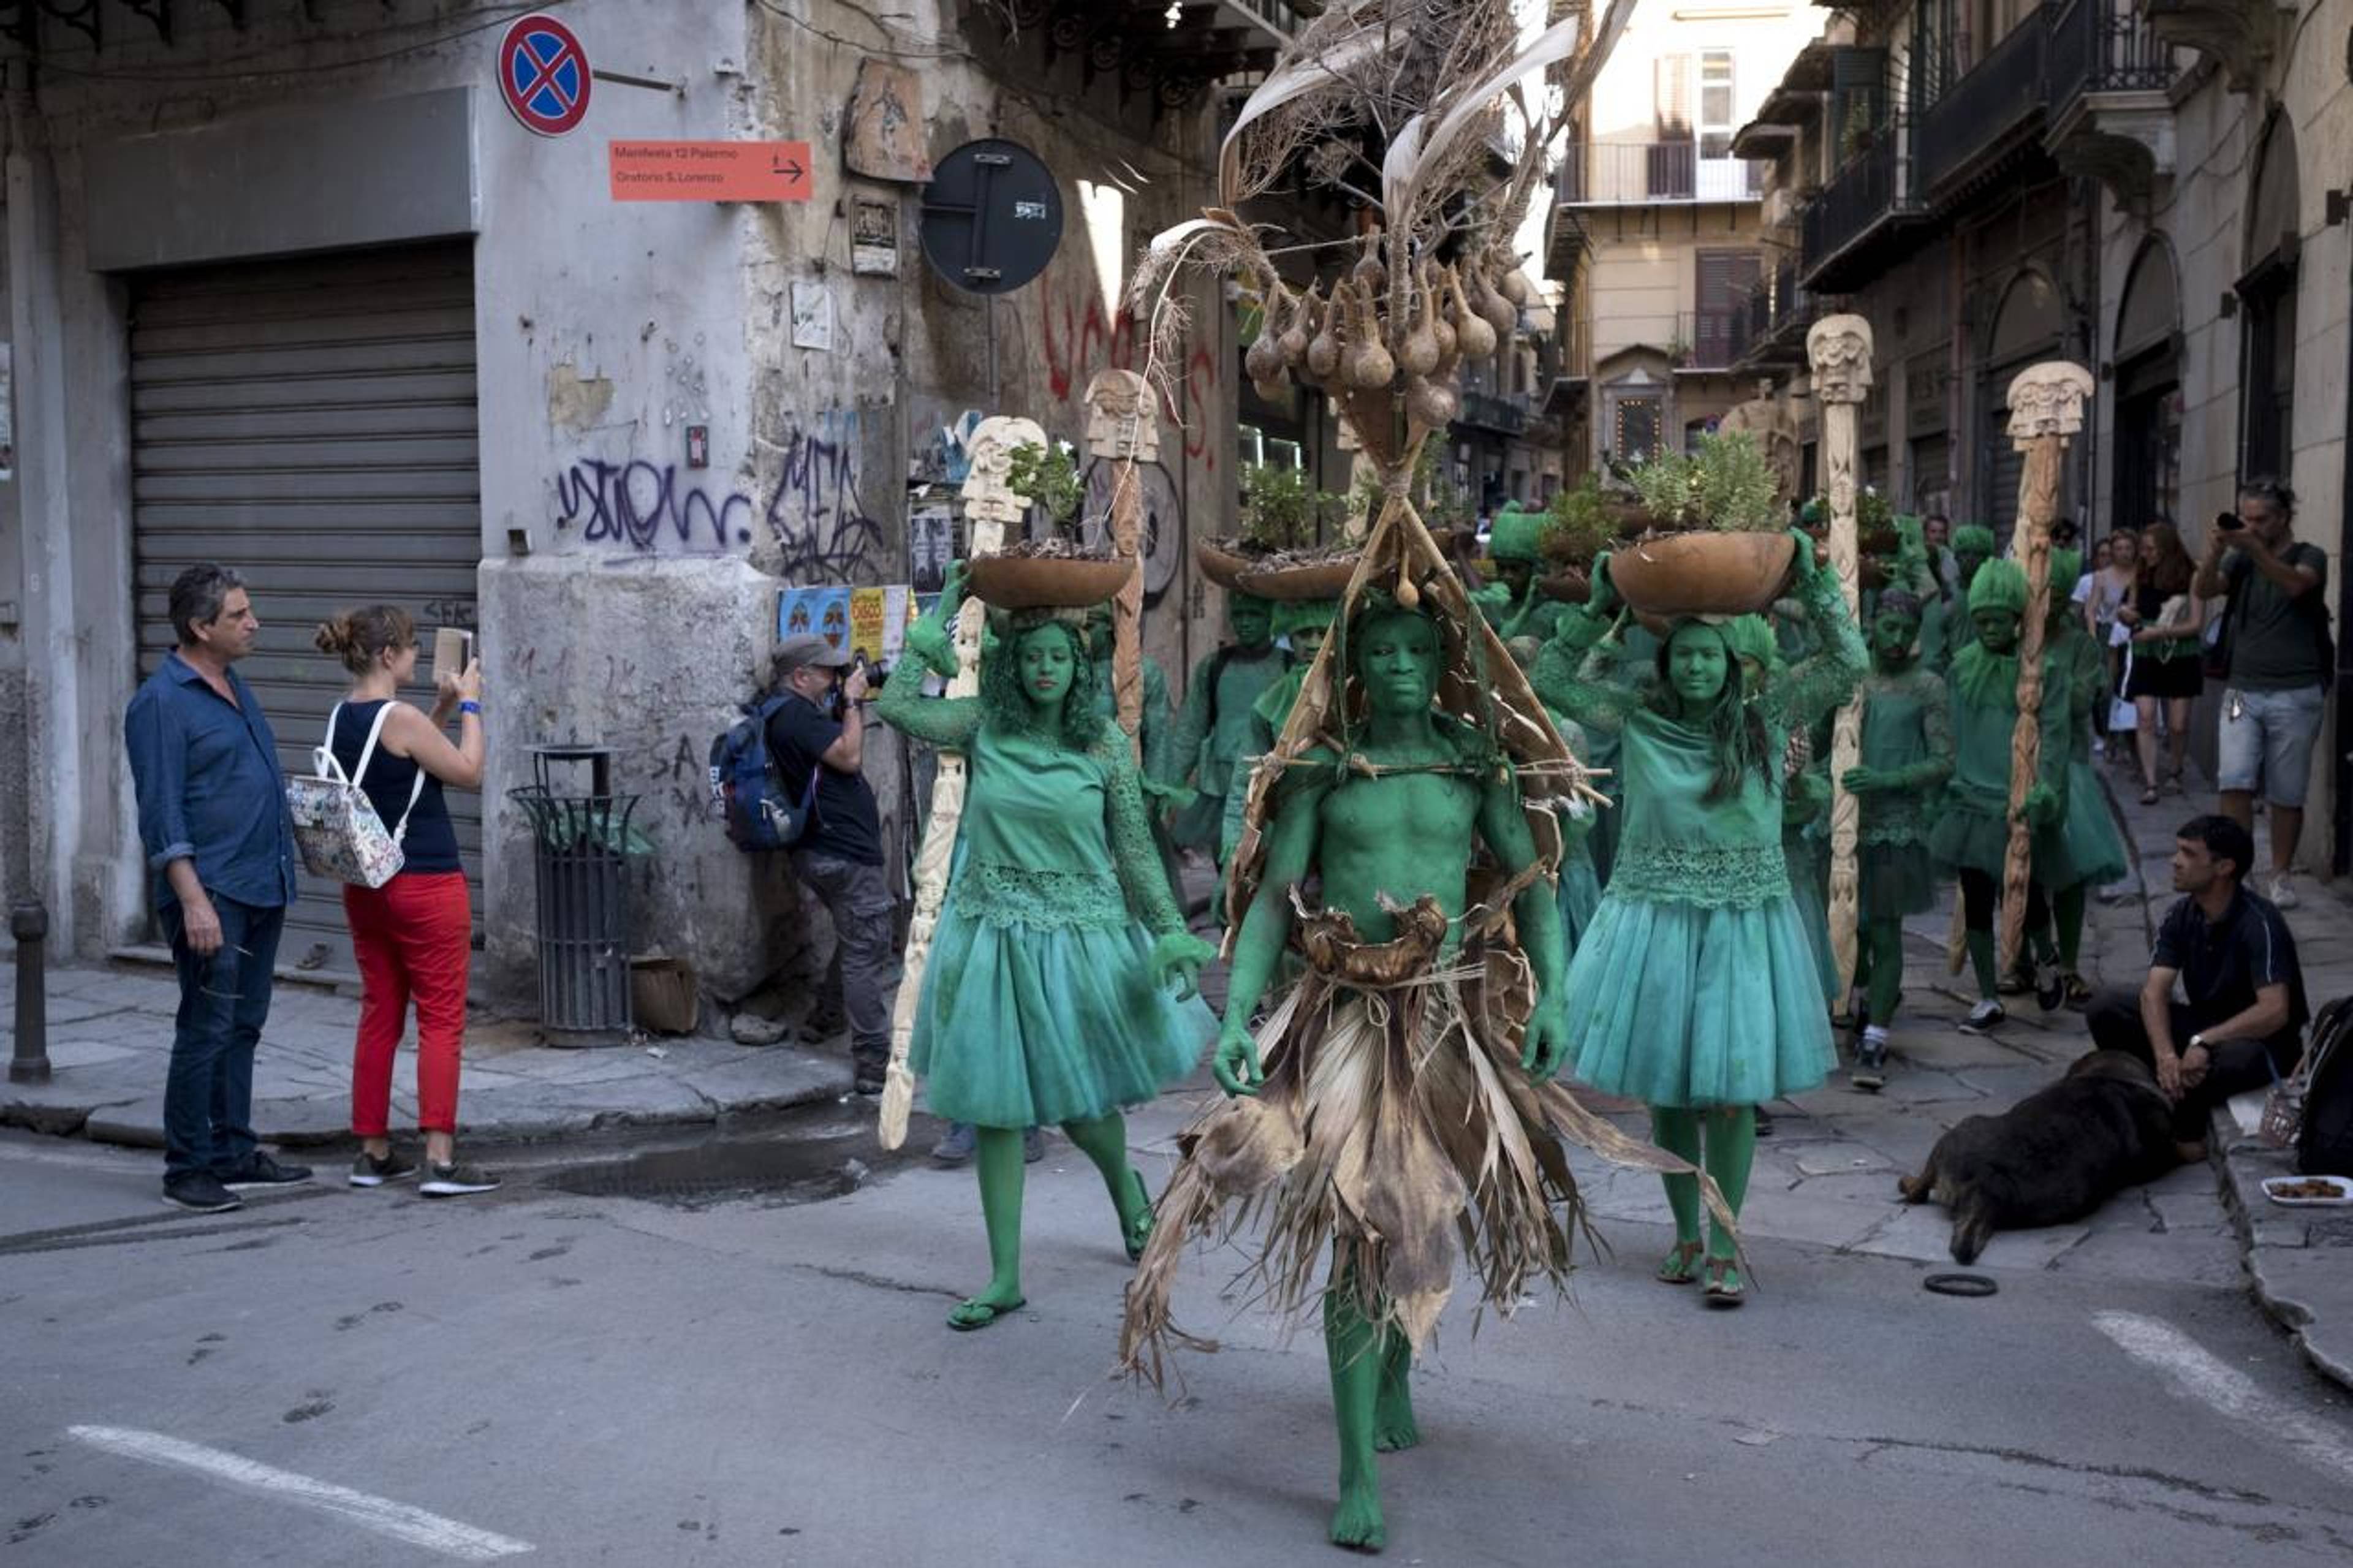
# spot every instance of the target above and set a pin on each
(1908, 739)
(1051, 836)
(1212, 735)
(1675, 846)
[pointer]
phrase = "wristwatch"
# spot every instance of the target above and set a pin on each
(2197, 1043)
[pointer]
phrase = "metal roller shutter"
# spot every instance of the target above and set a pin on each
(311, 422)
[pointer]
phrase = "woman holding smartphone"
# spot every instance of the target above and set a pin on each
(412, 937)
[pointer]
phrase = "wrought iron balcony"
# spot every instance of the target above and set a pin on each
(1707, 342)
(1644, 174)
(1997, 104)
(1506, 414)
(1873, 202)
(2240, 36)
(1779, 311)
(2109, 73)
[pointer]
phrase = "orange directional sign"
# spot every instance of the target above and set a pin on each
(709, 171)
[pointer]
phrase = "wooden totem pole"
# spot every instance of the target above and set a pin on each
(1839, 350)
(2046, 407)
(990, 506)
(1122, 428)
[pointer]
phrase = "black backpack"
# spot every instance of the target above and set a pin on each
(2324, 1143)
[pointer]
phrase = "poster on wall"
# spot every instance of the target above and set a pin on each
(930, 545)
(894, 621)
(874, 237)
(822, 611)
(866, 624)
(812, 317)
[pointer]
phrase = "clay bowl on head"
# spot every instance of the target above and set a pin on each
(1045, 582)
(1317, 580)
(1223, 567)
(1702, 573)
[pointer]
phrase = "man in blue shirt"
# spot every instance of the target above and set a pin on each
(213, 820)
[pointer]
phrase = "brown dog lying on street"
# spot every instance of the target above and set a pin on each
(2055, 1156)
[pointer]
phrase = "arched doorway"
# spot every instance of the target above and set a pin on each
(2268, 310)
(2028, 329)
(2147, 359)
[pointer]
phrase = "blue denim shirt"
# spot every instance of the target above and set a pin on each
(210, 789)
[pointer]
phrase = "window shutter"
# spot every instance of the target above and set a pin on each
(1670, 94)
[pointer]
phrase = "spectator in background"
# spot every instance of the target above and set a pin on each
(2166, 620)
(413, 937)
(2103, 591)
(214, 823)
(839, 859)
(2275, 624)
(2242, 1012)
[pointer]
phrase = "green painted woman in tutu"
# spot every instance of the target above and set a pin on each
(1695, 990)
(1045, 1001)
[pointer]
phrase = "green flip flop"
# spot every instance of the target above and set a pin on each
(974, 1313)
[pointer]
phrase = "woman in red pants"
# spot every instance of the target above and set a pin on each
(412, 937)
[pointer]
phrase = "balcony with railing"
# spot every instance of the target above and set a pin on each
(1707, 342)
(1774, 321)
(1871, 201)
(1644, 174)
(2109, 74)
(2240, 36)
(1993, 108)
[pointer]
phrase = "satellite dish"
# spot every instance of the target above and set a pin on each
(992, 216)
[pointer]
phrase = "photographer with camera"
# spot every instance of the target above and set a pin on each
(2276, 658)
(821, 728)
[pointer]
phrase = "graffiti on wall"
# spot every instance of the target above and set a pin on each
(1079, 340)
(814, 510)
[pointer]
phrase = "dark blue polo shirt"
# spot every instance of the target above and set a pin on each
(209, 787)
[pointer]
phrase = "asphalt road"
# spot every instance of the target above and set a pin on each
(697, 1378)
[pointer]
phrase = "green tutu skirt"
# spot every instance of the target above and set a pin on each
(1964, 840)
(1675, 1004)
(2094, 849)
(1898, 880)
(1809, 877)
(1031, 1026)
(1580, 895)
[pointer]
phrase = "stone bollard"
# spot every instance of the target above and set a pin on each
(28, 923)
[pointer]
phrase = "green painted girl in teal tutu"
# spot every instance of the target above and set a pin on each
(1045, 1001)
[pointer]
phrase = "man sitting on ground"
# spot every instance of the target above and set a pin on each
(2245, 1011)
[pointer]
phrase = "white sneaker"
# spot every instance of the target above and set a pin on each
(2283, 891)
(1984, 1018)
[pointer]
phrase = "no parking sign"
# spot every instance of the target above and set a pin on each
(543, 75)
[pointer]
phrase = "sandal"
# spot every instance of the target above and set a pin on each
(975, 1313)
(2149, 796)
(2078, 989)
(1677, 1269)
(1725, 1286)
(1139, 1230)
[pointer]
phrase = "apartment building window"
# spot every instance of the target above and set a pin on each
(1670, 173)
(1715, 103)
(2267, 311)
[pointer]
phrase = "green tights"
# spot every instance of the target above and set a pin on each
(2067, 909)
(997, 1159)
(1730, 1148)
(1883, 960)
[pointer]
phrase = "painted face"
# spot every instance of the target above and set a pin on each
(1396, 660)
(1998, 630)
(1892, 636)
(1307, 641)
(1698, 665)
(1046, 662)
(1252, 620)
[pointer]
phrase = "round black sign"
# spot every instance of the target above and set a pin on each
(992, 216)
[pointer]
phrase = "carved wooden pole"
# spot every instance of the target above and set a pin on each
(1123, 426)
(1839, 350)
(2046, 407)
(988, 506)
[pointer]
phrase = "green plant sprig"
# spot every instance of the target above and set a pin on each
(1049, 477)
(1726, 485)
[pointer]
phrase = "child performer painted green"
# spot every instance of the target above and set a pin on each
(1970, 838)
(1213, 726)
(1907, 755)
(1045, 1001)
(2095, 851)
(1697, 990)
(1305, 622)
(1514, 604)
(1386, 1107)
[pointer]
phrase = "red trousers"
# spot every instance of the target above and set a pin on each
(414, 940)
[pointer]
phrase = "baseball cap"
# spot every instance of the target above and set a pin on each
(808, 648)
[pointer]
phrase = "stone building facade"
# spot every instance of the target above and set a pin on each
(290, 287)
(2155, 189)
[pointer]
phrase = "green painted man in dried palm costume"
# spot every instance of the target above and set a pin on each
(1385, 1103)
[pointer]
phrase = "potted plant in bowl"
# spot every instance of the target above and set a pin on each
(1579, 524)
(1053, 571)
(1282, 512)
(1719, 541)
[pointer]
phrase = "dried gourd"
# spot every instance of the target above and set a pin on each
(1324, 348)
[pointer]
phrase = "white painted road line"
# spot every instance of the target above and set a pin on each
(2195, 1373)
(381, 1515)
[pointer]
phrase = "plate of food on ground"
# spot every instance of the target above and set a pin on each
(2304, 1192)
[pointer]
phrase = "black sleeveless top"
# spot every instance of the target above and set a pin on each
(430, 845)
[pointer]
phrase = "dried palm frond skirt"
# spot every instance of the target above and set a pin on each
(1395, 1116)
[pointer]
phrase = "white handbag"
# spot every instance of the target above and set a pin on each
(336, 825)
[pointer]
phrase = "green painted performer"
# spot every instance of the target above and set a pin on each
(1946, 625)
(1213, 727)
(1697, 990)
(1396, 1098)
(1514, 604)
(2096, 853)
(1906, 756)
(1970, 838)
(1304, 623)
(1805, 789)
(1045, 1001)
